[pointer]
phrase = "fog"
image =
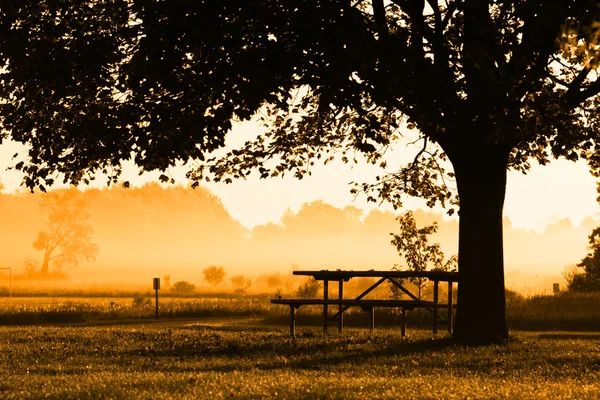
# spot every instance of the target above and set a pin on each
(175, 231)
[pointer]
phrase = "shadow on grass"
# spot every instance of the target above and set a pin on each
(277, 351)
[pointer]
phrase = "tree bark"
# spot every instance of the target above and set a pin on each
(45, 264)
(481, 181)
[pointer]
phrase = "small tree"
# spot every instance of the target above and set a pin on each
(183, 288)
(412, 244)
(309, 289)
(214, 274)
(167, 282)
(68, 239)
(589, 280)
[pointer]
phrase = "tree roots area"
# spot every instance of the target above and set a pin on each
(263, 362)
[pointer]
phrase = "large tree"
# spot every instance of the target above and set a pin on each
(489, 85)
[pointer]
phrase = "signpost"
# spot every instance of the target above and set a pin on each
(156, 286)
(9, 281)
(556, 288)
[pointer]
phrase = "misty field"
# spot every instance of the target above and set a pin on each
(216, 363)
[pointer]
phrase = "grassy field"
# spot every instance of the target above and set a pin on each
(567, 311)
(217, 363)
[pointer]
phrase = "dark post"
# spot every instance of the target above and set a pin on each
(156, 286)
(435, 306)
(450, 306)
(292, 320)
(372, 309)
(325, 297)
(403, 323)
(340, 307)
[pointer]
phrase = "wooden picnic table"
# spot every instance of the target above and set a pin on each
(343, 304)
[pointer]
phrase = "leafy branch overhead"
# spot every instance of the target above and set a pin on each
(327, 78)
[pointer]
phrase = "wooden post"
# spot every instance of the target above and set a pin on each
(340, 307)
(292, 320)
(325, 297)
(435, 306)
(372, 311)
(450, 306)
(403, 323)
(156, 286)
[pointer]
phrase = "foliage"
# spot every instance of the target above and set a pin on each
(240, 283)
(309, 289)
(589, 279)
(139, 300)
(214, 274)
(412, 245)
(68, 240)
(183, 287)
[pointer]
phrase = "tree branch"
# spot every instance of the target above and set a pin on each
(573, 99)
(380, 19)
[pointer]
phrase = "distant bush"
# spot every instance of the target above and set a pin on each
(140, 301)
(240, 283)
(183, 287)
(309, 289)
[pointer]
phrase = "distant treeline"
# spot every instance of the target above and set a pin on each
(153, 231)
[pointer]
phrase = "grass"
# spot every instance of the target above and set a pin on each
(26, 311)
(204, 362)
(566, 311)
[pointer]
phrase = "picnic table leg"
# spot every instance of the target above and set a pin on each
(292, 321)
(340, 308)
(403, 323)
(449, 306)
(435, 306)
(372, 310)
(325, 297)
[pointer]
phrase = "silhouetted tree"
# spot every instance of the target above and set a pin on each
(589, 280)
(489, 84)
(214, 274)
(412, 243)
(240, 283)
(68, 240)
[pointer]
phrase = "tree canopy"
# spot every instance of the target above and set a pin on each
(589, 280)
(488, 85)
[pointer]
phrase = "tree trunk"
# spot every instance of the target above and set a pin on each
(481, 314)
(45, 263)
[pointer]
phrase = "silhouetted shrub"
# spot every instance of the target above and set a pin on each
(309, 289)
(183, 287)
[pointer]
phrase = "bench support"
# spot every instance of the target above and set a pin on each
(403, 323)
(325, 297)
(292, 320)
(435, 306)
(450, 319)
(340, 307)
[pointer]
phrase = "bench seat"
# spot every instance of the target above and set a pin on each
(408, 304)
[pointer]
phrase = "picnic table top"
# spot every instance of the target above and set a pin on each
(446, 276)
